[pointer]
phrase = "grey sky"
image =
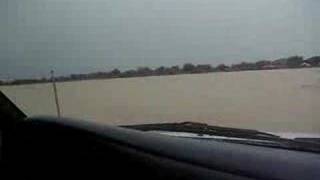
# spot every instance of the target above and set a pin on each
(74, 36)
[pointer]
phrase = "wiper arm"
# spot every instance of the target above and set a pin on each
(204, 129)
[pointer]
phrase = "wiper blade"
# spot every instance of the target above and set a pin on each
(204, 129)
(284, 144)
(241, 136)
(308, 140)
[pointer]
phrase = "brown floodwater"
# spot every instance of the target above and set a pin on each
(273, 100)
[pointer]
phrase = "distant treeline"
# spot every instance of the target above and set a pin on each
(188, 68)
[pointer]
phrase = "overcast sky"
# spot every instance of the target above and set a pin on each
(78, 36)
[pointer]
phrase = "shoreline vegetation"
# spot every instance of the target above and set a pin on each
(292, 62)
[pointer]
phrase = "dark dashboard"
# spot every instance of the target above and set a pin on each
(66, 147)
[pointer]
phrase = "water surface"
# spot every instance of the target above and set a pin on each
(275, 100)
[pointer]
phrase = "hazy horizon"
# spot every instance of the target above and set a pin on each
(79, 36)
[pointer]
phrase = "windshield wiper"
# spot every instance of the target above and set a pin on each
(315, 140)
(204, 129)
(242, 136)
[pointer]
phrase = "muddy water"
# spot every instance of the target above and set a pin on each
(275, 100)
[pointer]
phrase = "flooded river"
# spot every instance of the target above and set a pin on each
(275, 100)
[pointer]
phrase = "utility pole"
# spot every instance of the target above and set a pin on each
(55, 93)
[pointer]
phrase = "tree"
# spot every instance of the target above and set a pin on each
(282, 62)
(129, 73)
(188, 67)
(144, 71)
(115, 72)
(160, 70)
(173, 70)
(99, 75)
(313, 61)
(244, 66)
(222, 67)
(201, 68)
(294, 61)
(262, 64)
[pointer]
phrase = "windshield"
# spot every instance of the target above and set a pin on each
(228, 63)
